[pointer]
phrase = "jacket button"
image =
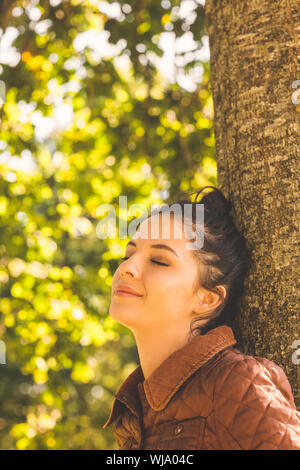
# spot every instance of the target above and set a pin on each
(178, 429)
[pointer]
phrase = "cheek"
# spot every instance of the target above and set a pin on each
(168, 287)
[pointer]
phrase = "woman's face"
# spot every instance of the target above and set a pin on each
(166, 300)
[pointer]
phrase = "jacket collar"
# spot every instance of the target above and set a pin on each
(168, 377)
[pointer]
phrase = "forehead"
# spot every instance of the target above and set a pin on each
(162, 227)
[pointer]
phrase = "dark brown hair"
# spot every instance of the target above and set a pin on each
(224, 255)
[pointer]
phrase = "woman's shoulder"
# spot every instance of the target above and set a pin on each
(239, 376)
(234, 358)
(252, 402)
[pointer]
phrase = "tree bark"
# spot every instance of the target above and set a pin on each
(255, 57)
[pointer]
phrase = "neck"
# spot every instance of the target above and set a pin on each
(154, 349)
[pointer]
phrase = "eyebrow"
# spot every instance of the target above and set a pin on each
(157, 245)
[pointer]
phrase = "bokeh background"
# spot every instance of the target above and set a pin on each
(102, 99)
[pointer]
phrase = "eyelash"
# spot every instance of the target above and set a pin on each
(153, 261)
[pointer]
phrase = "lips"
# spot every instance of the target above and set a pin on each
(126, 290)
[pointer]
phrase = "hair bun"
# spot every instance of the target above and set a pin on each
(216, 200)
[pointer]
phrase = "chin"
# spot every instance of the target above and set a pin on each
(120, 313)
(123, 314)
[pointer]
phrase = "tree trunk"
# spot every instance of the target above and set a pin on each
(255, 56)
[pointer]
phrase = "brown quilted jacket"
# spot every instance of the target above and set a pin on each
(207, 395)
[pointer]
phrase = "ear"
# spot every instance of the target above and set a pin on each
(206, 300)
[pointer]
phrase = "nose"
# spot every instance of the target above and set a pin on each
(127, 268)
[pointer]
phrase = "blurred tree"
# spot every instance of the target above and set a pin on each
(102, 100)
(254, 65)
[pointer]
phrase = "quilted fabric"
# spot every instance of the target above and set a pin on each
(207, 395)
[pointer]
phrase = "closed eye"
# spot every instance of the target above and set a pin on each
(153, 261)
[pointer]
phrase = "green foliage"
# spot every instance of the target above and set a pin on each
(133, 133)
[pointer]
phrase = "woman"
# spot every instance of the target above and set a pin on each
(193, 389)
